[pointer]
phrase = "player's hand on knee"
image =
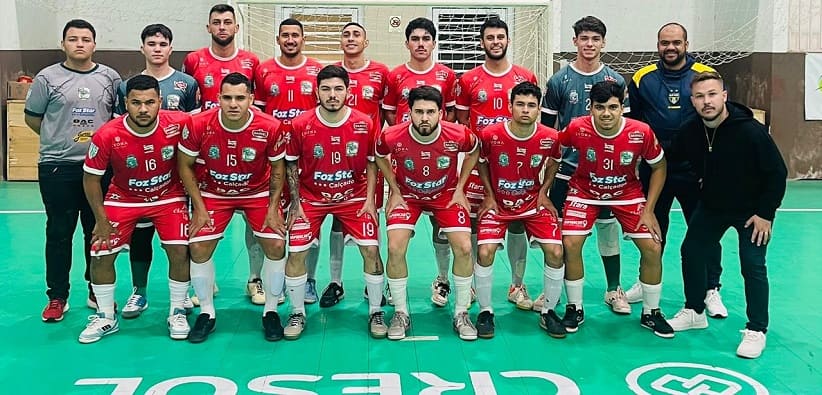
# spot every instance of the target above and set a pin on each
(395, 200)
(460, 199)
(648, 219)
(199, 219)
(296, 212)
(368, 208)
(543, 202)
(274, 221)
(762, 232)
(101, 235)
(488, 205)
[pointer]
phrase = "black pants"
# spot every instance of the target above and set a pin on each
(700, 246)
(687, 193)
(61, 187)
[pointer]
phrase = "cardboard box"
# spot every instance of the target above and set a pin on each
(17, 90)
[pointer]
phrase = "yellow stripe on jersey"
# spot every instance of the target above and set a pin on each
(642, 72)
(701, 68)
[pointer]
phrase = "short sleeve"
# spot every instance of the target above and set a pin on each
(381, 148)
(191, 139)
(463, 94)
(391, 98)
(97, 157)
(651, 150)
(37, 100)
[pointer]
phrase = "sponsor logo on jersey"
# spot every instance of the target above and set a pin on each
(180, 85)
(515, 187)
(290, 79)
(247, 64)
(441, 75)
(167, 152)
(84, 136)
(482, 96)
(151, 182)
(172, 102)
(214, 152)
(131, 162)
(318, 151)
(425, 155)
(339, 175)
(351, 148)
(591, 155)
(426, 186)
(368, 92)
(172, 130)
(673, 96)
(230, 177)
(287, 114)
(608, 148)
(208, 81)
(518, 79)
(409, 164)
(607, 180)
(625, 158)
(497, 87)
(536, 160)
(503, 160)
(336, 140)
(93, 149)
(636, 137)
(84, 93)
(231, 144)
(249, 154)
(312, 70)
(83, 111)
(259, 135)
(360, 127)
(546, 143)
(573, 97)
(451, 146)
(609, 78)
(274, 90)
(487, 121)
(443, 162)
(306, 88)
(375, 77)
(224, 72)
(521, 151)
(148, 148)
(574, 213)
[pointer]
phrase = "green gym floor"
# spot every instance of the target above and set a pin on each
(609, 355)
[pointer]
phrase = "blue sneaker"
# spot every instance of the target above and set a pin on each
(311, 291)
(98, 326)
(135, 305)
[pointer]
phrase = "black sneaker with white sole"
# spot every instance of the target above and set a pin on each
(332, 294)
(573, 318)
(272, 327)
(551, 323)
(202, 328)
(485, 324)
(657, 323)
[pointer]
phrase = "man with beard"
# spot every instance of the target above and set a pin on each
(743, 183)
(483, 100)
(660, 96)
(331, 170)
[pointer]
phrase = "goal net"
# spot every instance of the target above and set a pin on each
(457, 23)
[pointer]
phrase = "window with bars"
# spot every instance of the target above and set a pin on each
(322, 28)
(458, 45)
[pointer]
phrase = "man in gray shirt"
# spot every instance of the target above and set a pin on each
(67, 102)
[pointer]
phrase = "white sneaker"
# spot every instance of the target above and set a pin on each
(688, 319)
(464, 327)
(518, 294)
(295, 326)
(634, 294)
(714, 305)
(135, 305)
(618, 302)
(752, 344)
(439, 292)
(400, 323)
(538, 303)
(178, 325)
(254, 289)
(98, 326)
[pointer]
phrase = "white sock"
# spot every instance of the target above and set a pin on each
(177, 292)
(552, 286)
(574, 291)
(462, 301)
(517, 249)
(374, 283)
(273, 282)
(398, 293)
(442, 253)
(484, 278)
(336, 246)
(296, 292)
(650, 297)
(202, 279)
(608, 238)
(255, 254)
(311, 261)
(105, 299)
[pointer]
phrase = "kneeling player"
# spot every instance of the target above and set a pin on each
(610, 147)
(512, 157)
(139, 148)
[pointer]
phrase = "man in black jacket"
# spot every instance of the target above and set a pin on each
(742, 184)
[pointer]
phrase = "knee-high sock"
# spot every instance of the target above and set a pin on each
(650, 297)
(177, 292)
(202, 278)
(105, 298)
(484, 278)
(296, 292)
(273, 276)
(336, 246)
(462, 301)
(442, 253)
(399, 294)
(552, 286)
(574, 291)
(374, 284)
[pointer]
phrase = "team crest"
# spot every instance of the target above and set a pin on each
(673, 96)
(318, 151)
(573, 97)
(180, 85)
(368, 93)
(625, 158)
(185, 132)
(405, 92)
(443, 162)
(274, 90)
(214, 152)
(409, 164)
(167, 152)
(84, 93)
(173, 102)
(482, 96)
(208, 81)
(591, 155)
(306, 87)
(351, 148)
(249, 154)
(536, 159)
(131, 162)
(503, 160)
(92, 150)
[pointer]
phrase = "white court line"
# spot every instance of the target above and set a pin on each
(787, 210)
(420, 338)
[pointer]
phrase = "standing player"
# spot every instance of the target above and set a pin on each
(483, 100)
(611, 147)
(513, 155)
(422, 70)
(242, 154)
(567, 97)
(661, 96)
(67, 102)
(178, 91)
(331, 170)
(139, 148)
(426, 151)
(209, 66)
(285, 89)
(367, 80)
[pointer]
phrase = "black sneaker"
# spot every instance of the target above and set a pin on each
(332, 294)
(657, 323)
(272, 328)
(485, 324)
(365, 296)
(202, 328)
(573, 318)
(552, 324)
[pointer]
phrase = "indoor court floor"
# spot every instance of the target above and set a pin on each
(610, 354)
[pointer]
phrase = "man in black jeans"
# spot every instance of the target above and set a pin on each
(68, 101)
(743, 182)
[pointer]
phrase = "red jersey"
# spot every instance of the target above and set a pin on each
(331, 157)
(425, 171)
(367, 88)
(607, 172)
(516, 164)
(144, 166)
(286, 92)
(402, 79)
(486, 95)
(235, 163)
(209, 69)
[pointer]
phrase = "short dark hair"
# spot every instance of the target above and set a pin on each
(589, 24)
(79, 24)
(421, 23)
(142, 82)
(526, 89)
(707, 76)
(154, 29)
(425, 92)
(603, 91)
(237, 79)
(332, 71)
(684, 30)
(222, 8)
(353, 24)
(493, 23)
(291, 22)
